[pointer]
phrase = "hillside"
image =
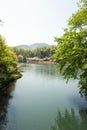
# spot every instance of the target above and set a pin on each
(33, 46)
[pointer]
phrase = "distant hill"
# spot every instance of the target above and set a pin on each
(23, 46)
(33, 46)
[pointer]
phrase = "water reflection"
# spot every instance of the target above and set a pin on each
(5, 96)
(41, 69)
(70, 120)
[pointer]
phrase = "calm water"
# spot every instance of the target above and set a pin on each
(41, 100)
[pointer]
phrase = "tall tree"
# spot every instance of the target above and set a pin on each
(72, 48)
(8, 60)
(8, 64)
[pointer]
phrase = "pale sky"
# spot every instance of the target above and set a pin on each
(34, 21)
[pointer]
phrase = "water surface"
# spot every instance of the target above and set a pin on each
(41, 100)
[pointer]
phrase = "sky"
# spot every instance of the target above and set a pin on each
(34, 21)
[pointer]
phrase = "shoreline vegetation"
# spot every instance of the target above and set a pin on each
(6, 79)
(9, 68)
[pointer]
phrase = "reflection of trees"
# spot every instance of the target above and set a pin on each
(47, 69)
(44, 69)
(5, 95)
(69, 121)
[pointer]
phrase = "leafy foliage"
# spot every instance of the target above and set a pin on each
(72, 48)
(8, 60)
(8, 63)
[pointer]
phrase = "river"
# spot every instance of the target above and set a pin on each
(42, 100)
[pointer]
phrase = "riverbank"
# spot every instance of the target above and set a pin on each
(5, 79)
(47, 60)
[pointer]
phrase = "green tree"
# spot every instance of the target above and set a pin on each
(8, 64)
(39, 52)
(20, 58)
(8, 60)
(72, 48)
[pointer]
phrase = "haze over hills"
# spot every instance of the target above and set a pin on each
(33, 46)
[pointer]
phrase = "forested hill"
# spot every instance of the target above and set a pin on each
(33, 46)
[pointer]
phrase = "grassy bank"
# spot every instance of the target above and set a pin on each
(5, 79)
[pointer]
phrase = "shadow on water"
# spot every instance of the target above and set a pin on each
(5, 96)
(70, 120)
